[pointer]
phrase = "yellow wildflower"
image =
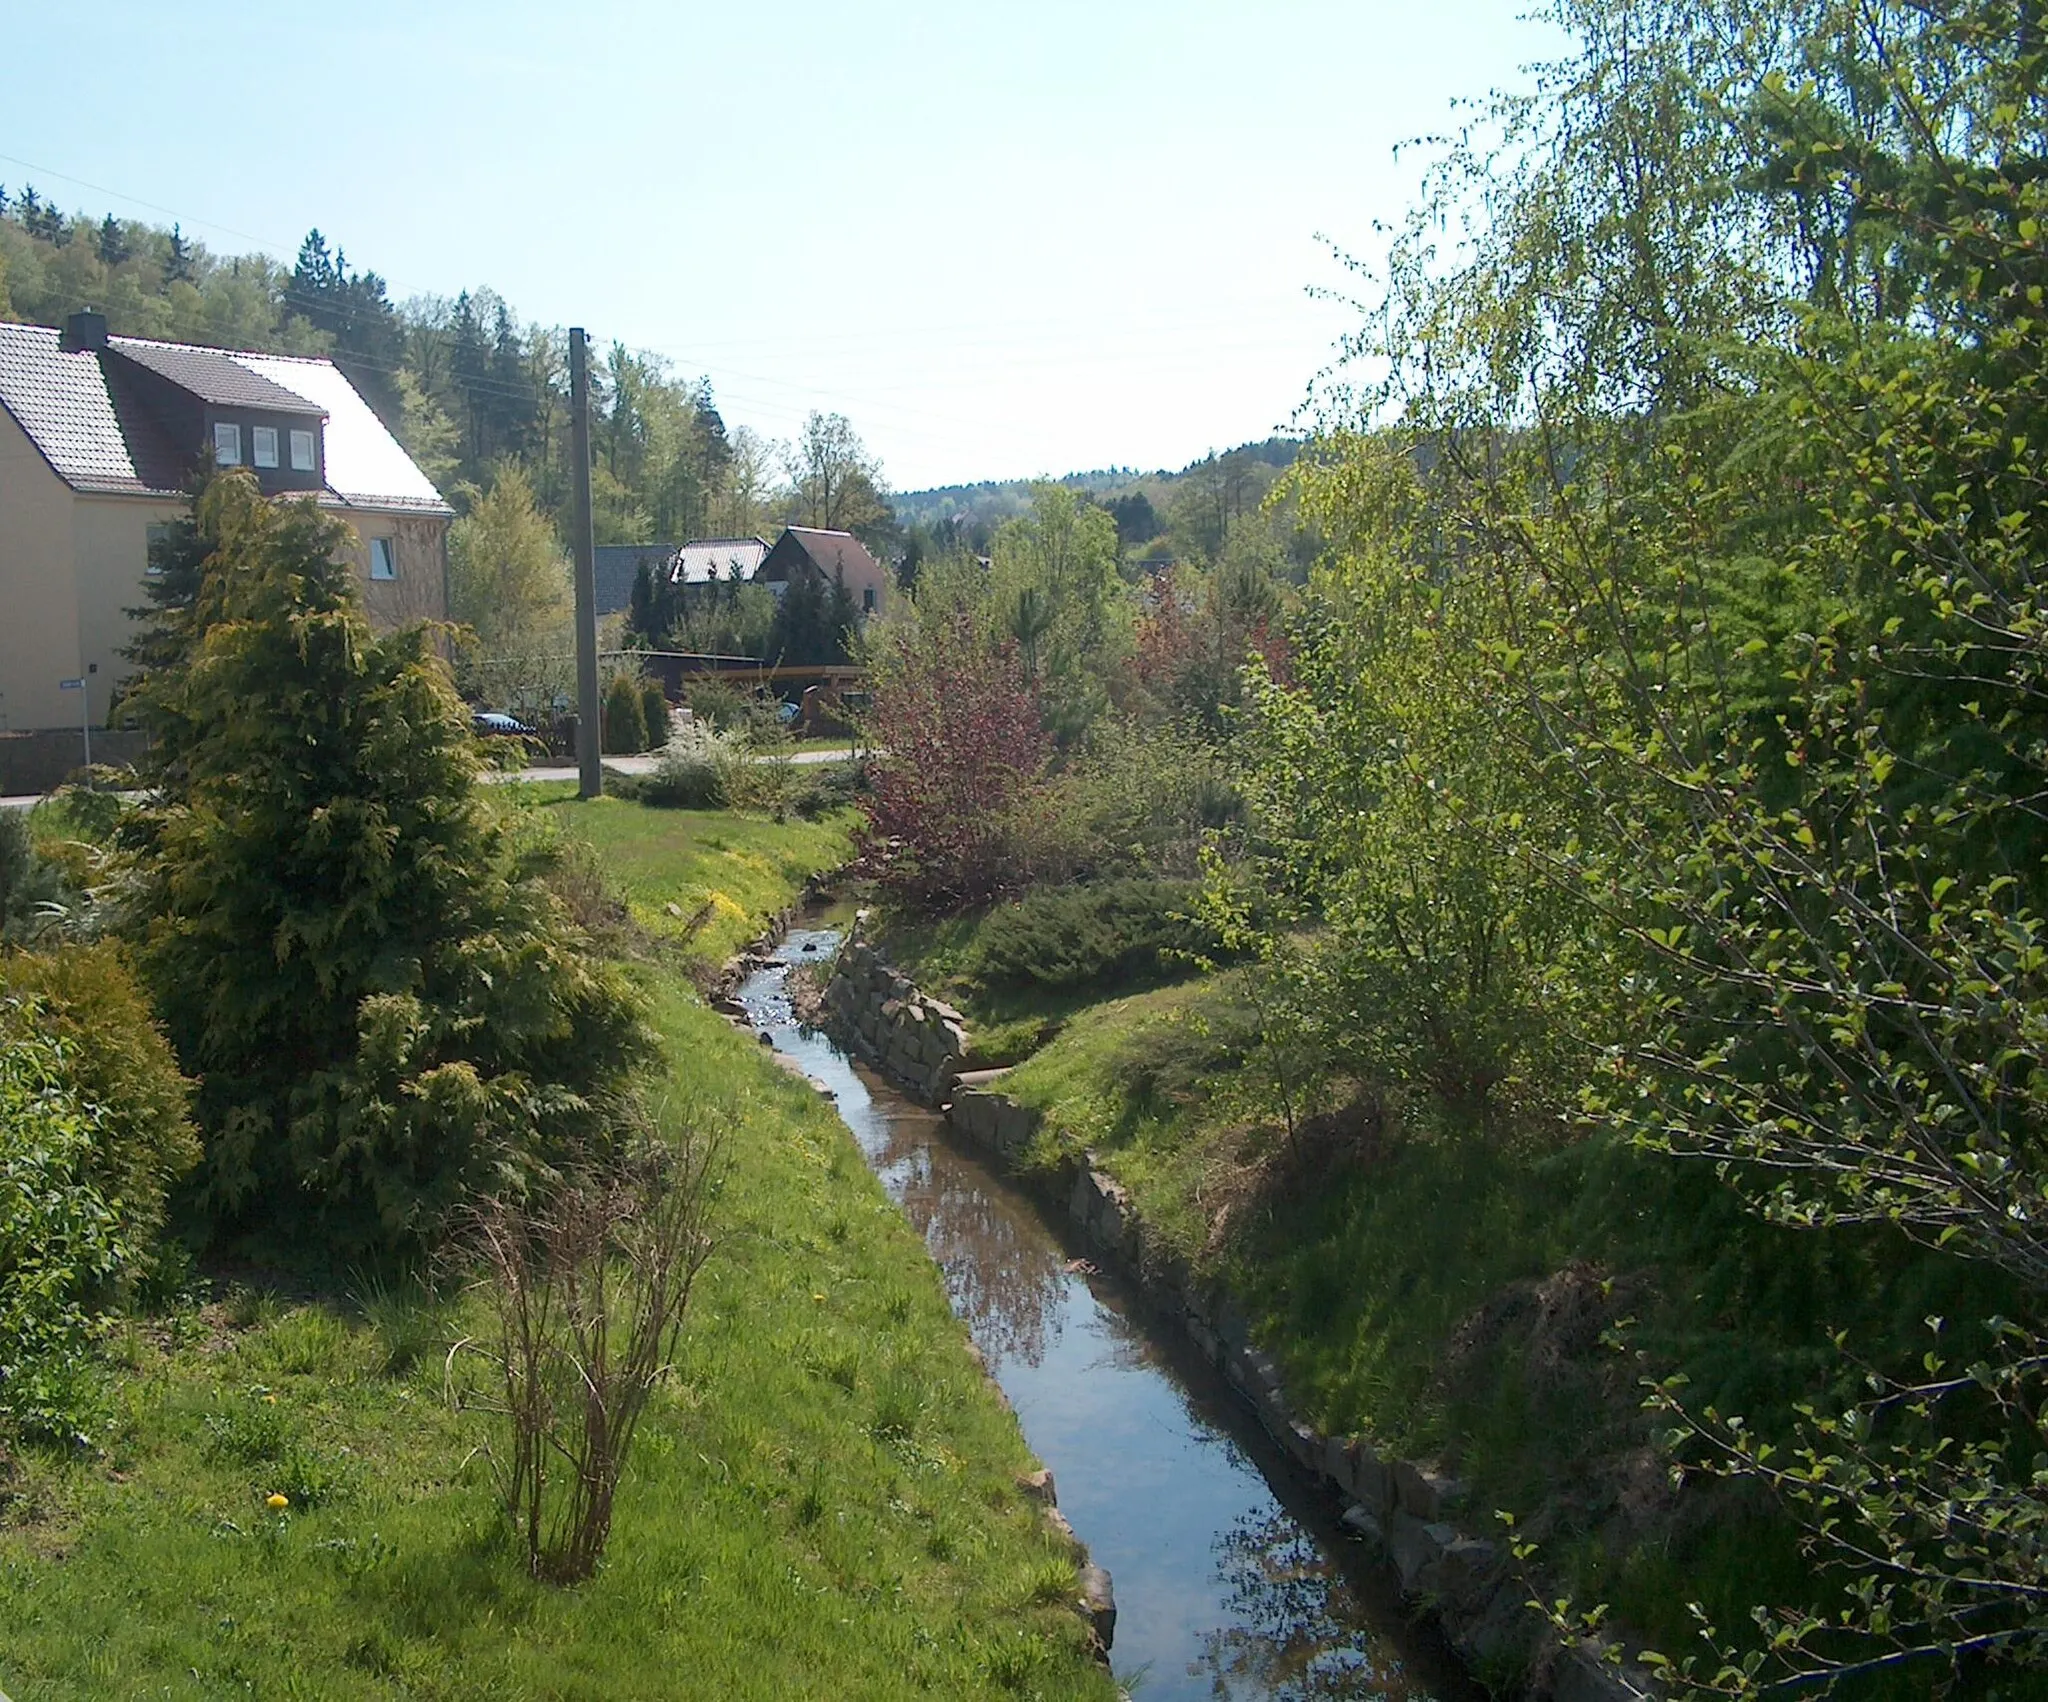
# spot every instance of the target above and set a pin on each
(279, 1502)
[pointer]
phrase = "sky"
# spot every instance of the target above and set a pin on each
(1005, 240)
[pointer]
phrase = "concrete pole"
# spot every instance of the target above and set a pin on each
(589, 766)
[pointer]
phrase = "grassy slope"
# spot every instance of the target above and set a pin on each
(744, 868)
(823, 1506)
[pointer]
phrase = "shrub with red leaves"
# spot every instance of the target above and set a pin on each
(963, 746)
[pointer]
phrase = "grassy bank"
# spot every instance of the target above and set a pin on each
(822, 1504)
(1482, 1297)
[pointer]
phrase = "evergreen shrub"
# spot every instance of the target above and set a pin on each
(625, 724)
(1109, 934)
(384, 1004)
(654, 715)
(66, 1243)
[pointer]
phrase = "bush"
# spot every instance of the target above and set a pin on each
(625, 726)
(113, 1057)
(64, 1246)
(654, 715)
(698, 771)
(33, 891)
(1105, 935)
(963, 759)
(828, 786)
(718, 702)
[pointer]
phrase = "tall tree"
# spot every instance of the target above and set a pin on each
(834, 482)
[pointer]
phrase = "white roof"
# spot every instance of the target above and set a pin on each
(705, 559)
(366, 467)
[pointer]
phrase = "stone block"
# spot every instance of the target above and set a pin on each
(1234, 1327)
(1081, 1199)
(1364, 1525)
(1039, 1486)
(1264, 1374)
(1304, 1445)
(1275, 1419)
(1336, 1463)
(1468, 1572)
(1204, 1338)
(1417, 1547)
(1098, 1602)
(1371, 1481)
(1426, 1493)
(1581, 1675)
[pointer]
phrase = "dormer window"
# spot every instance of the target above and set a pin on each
(263, 445)
(302, 452)
(227, 445)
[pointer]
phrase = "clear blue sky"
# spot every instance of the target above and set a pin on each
(1004, 239)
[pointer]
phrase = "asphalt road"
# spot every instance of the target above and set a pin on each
(567, 771)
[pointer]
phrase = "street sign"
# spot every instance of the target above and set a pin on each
(71, 685)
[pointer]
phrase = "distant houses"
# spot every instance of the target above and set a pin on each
(688, 567)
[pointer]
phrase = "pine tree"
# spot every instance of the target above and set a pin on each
(113, 241)
(178, 267)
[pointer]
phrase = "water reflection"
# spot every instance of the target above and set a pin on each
(1296, 1629)
(1225, 1588)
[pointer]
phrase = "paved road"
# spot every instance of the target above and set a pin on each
(639, 765)
(624, 764)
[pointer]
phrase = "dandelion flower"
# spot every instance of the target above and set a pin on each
(280, 1502)
(270, 1400)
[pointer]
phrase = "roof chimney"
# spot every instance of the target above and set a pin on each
(83, 331)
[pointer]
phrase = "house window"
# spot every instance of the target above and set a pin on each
(263, 446)
(227, 445)
(302, 452)
(383, 559)
(157, 540)
(867, 600)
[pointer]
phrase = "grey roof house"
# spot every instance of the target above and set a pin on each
(98, 438)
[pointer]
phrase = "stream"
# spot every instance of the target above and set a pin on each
(1232, 1578)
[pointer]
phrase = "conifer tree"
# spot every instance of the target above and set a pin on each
(113, 241)
(384, 1008)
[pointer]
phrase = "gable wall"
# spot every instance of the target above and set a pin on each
(420, 592)
(38, 597)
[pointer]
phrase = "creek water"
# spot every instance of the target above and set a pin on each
(1232, 1578)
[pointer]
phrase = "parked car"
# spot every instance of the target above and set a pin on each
(492, 722)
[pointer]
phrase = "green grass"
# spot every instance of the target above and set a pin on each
(701, 882)
(822, 1504)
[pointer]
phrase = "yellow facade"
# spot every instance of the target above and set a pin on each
(72, 565)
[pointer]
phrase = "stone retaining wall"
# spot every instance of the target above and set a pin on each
(1408, 1513)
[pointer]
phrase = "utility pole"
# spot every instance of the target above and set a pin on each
(587, 757)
